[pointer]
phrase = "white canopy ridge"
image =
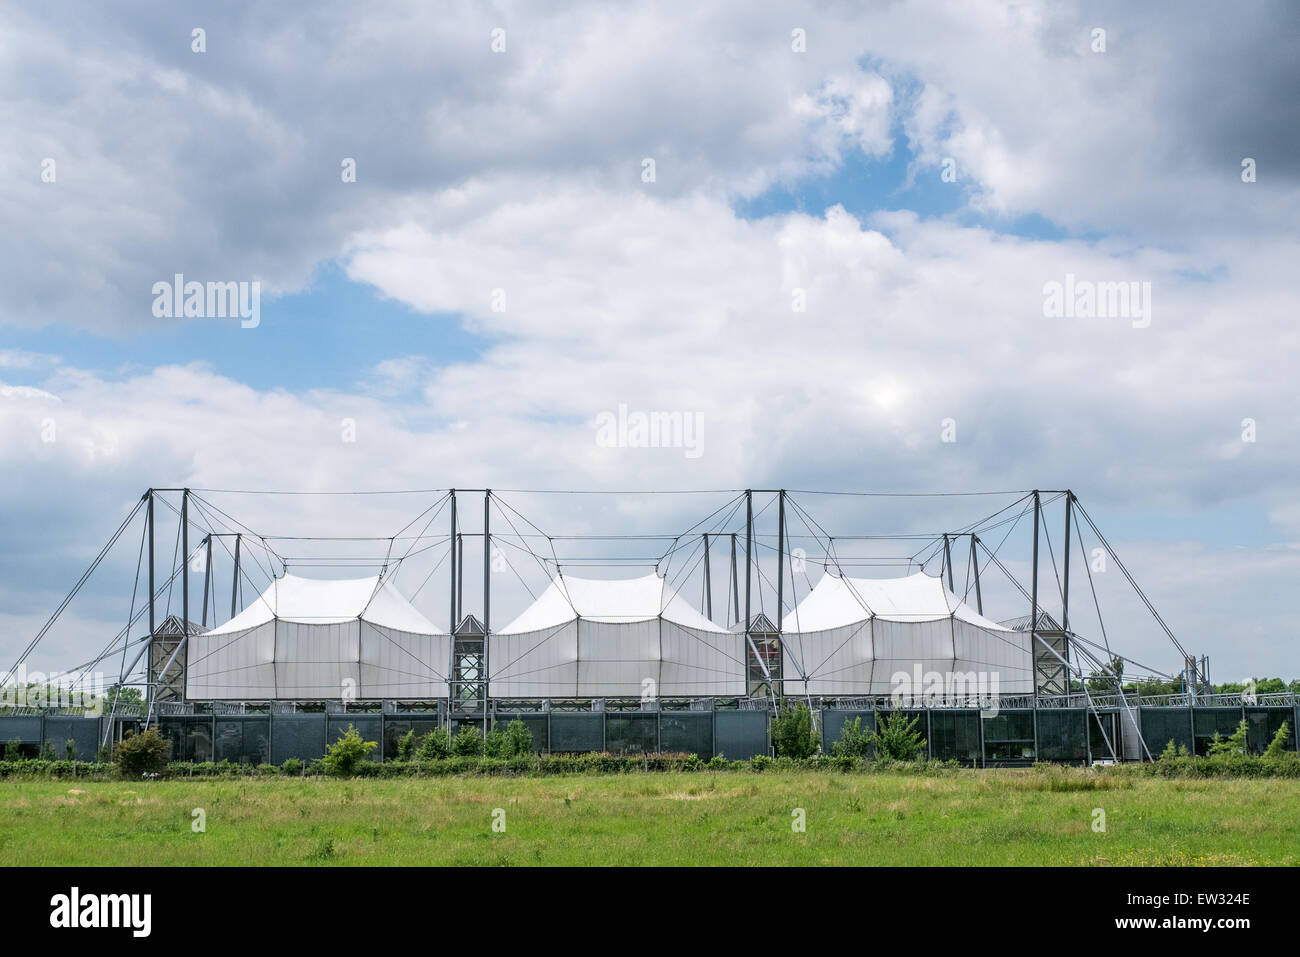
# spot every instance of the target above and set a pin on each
(310, 638)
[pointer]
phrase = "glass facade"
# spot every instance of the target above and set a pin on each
(1063, 735)
(1211, 720)
(1009, 738)
(581, 731)
(687, 732)
(955, 736)
(242, 739)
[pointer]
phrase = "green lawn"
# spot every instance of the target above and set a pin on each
(965, 817)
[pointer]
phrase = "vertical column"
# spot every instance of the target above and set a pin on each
(452, 619)
(1033, 603)
(234, 579)
(708, 581)
(152, 624)
(780, 587)
(207, 578)
(735, 579)
(975, 570)
(947, 561)
(487, 598)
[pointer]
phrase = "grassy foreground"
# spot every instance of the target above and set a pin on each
(959, 817)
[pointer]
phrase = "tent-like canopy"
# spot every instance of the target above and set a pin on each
(855, 635)
(312, 638)
(592, 638)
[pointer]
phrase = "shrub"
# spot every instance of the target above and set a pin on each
(406, 745)
(143, 753)
(494, 743)
(853, 742)
(467, 743)
(344, 756)
(47, 751)
(793, 735)
(14, 750)
(518, 740)
(1277, 747)
(896, 738)
(1235, 743)
(435, 746)
(693, 763)
(70, 749)
(718, 762)
(760, 763)
(291, 766)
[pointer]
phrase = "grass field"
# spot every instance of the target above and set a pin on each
(964, 817)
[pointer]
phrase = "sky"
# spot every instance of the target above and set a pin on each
(826, 234)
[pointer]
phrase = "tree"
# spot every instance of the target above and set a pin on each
(896, 737)
(344, 756)
(854, 742)
(793, 735)
(143, 753)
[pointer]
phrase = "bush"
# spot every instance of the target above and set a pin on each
(14, 750)
(1277, 747)
(292, 766)
(143, 753)
(760, 763)
(853, 742)
(1235, 743)
(793, 735)
(718, 762)
(70, 749)
(518, 740)
(896, 738)
(467, 743)
(435, 746)
(344, 756)
(406, 745)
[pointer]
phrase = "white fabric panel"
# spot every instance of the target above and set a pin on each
(838, 660)
(535, 664)
(999, 652)
(235, 665)
(699, 662)
(317, 661)
(403, 664)
(322, 601)
(611, 601)
(614, 659)
(902, 646)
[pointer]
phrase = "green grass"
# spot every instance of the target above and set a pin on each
(957, 817)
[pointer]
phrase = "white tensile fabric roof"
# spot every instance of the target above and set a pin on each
(838, 601)
(609, 601)
(859, 635)
(592, 638)
(314, 639)
(318, 601)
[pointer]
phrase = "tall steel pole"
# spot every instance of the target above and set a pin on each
(153, 626)
(780, 559)
(452, 620)
(749, 548)
(708, 581)
(185, 561)
(1065, 587)
(735, 579)
(1033, 601)
(975, 562)
(207, 577)
(947, 561)
(487, 599)
(234, 580)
